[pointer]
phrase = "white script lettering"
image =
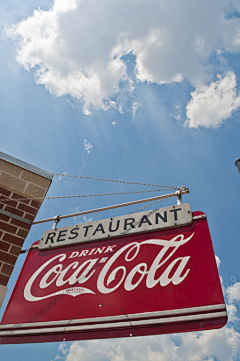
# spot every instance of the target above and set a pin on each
(73, 273)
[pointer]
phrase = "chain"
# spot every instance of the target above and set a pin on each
(121, 181)
(148, 205)
(81, 195)
(164, 188)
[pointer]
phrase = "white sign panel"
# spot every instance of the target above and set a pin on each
(156, 219)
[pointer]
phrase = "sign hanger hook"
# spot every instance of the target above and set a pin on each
(57, 219)
(179, 197)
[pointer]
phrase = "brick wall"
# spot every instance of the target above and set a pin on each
(19, 183)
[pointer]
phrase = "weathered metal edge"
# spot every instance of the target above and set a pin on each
(27, 166)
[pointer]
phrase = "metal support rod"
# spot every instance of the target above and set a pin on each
(179, 197)
(115, 206)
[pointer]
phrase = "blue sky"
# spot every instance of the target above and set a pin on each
(137, 92)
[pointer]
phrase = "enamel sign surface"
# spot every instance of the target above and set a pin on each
(163, 281)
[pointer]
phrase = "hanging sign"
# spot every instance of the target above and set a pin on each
(163, 281)
(168, 217)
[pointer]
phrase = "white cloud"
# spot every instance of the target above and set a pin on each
(232, 312)
(62, 348)
(87, 146)
(233, 293)
(176, 112)
(135, 106)
(86, 110)
(211, 105)
(86, 220)
(80, 219)
(76, 48)
(120, 109)
(60, 177)
(218, 261)
(198, 346)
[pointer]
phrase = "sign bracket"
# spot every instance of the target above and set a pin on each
(165, 196)
(56, 221)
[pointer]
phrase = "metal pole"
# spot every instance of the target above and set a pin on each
(178, 193)
(237, 164)
(179, 199)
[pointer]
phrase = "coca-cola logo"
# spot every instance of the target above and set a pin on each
(75, 276)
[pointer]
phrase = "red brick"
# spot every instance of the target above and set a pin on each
(15, 250)
(7, 269)
(4, 218)
(14, 211)
(7, 227)
(20, 224)
(23, 199)
(8, 201)
(4, 246)
(27, 209)
(35, 204)
(5, 192)
(8, 258)
(22, 233)
(28, 216)
(13, 239)
(4, 280)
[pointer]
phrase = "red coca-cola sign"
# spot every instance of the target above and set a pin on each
(164, 281)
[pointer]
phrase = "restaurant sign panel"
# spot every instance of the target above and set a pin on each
(163, 218)
(160, 281)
